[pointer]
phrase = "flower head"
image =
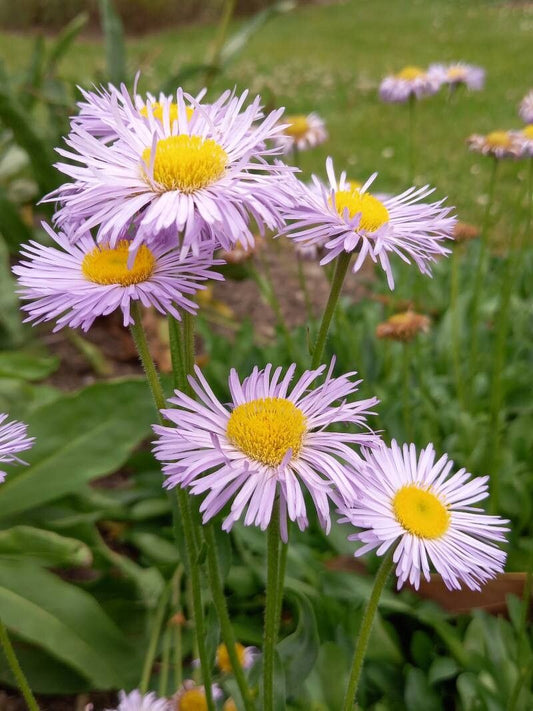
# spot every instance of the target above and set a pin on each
(75, 283)
(498, 144)
(191, 697)
(403, 326)
(525, 110)
(415, 504)
(202, 175)
(13, 439)
(302, 132)
(272, 441)
(345, 219)
(524, 139)
(135, 701)
(410, 83)
(246, 656)
(458, 74)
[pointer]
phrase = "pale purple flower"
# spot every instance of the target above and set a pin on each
(415, 505)
(302, 132)
(524, 139)
(192, 696)
(13, 439)
(525, 110)
(76, 283)
(204, 175)
(411, 83)
(345, 219)
(136, 701)
(498, 144)
(458, 74)
(272, 440)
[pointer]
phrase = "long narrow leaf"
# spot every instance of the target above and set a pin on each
(114, 42)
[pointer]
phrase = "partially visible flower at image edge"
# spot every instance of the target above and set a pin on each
(525, 110)
(136, 701)
(79, 282)
(415, 505)
(272, 441)
(13, 440)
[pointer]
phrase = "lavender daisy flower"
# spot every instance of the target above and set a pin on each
(13, 439)
(203, 175)
(135, 701)
(411, 83)
(458, 74)
(272, 440)
(302, 132)
(345, 219)
(525, 110)
(416, 505)
(76, 283)
(498, 144)
(525, 141)
(191, 696)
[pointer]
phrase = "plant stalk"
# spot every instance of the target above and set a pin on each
(16, 669)
(271, 608)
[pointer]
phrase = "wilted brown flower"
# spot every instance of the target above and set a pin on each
(242, 252)
(403, 326)
(463, 232)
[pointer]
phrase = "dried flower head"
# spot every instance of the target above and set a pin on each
(464, 232)
(403, 327)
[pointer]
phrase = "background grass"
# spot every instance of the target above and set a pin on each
(330, 59)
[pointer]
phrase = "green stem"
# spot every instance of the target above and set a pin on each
(411, 138)
(365, 629)
(281, 581)
(177, 355)
(217, 591)
(305, 291)
(456, 330)
(154, 638)
(188, 343)
(479, 274)
(177, 628)
(271, 607)
(16, 670)
(165, 662)
(341, 268)
(406, 376)
(139, 336)
(529, 208)
(218, 44)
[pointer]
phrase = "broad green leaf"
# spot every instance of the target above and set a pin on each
(79, 437)
(419, 694)
(298, 651)
(43, 546)
(27, 366)
(45, 674)
(68, 622)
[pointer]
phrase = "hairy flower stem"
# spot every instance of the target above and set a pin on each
(365, 630)
(184, 509)
(406, 391)
(411, 138)
(217, 591)
(341, 268)
(456, 328)
(271, 608)
(480, 273)
(305, 291)
(157, 626)
(16, 670)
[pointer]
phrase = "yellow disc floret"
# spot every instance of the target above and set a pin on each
(192, 700)
(223, 660)
(298, 126)
(186, 163)
(420, 512)
(374, 214)
(410, 72)
(528, 132)
(158, 111)
(265, 429)
(456, 73)
(109, 265)
(498, 139)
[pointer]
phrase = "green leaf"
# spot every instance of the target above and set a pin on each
(11, 329)
(45, 674)
(419, 695)
(27, 366)
(114, 42)
(299, 651)
(79, 437)
(65, 39)
(68, 623)
(441, 669)
(44, 546)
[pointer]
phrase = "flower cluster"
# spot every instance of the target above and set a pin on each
(413, 82)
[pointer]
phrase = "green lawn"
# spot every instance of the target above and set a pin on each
(329, 58)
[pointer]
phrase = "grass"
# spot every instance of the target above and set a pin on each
(330, 58)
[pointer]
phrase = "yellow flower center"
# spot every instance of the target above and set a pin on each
(265, 429)
(528, 132)
(374, 214)
(193, 700)
(456, 73)
(420, 512)
(354, 185)
(498, 139)
(298, 126)
(158, 109)
(187, 163)
(411, 72)
(223, 660)
(109, 265)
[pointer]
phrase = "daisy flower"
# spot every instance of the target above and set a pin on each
(13, 439)
(525, 140)
(203, 175)
(246, 656)
(191, 697)
(75, 283)
(525, 110)
(417, 505)
(135, 701)
(458, 74)
(302, 132)
(498, 144)
(411, 83)
(354, 220)
(272, 440)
